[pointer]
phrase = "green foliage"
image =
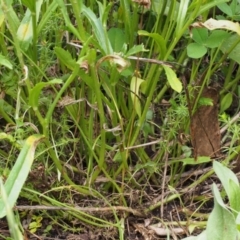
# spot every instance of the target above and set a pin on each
(205, 102)
(232, 10)
(14, 230)
(223, 220)
(203, 41)
(5, 62)
(36, 90)
(105, 85)
(19, 173)
(65, 57)
(99, 31)
(174, 82)
(226, 102)
(221, 223)
(117, 38)
(35, 223)
(231, 46)
(161, 44)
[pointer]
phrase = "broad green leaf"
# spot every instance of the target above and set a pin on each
(4, 62)
(210, 4)
(161, 43)
(25, 30)
(193, 161)
(117, 39)
(200, 35)
(19, 172)
(232, 44)
(136, 49)
(234, 6)
(225, 175)
(226, 102)
(36, 90)
(65, 57)
(221, 223)
(174, 82)
(218, 197)
(195, 50)
(134, 87)
(225, 8)
(216, 38)
(234, 196)
(29, 4)
(98, 31)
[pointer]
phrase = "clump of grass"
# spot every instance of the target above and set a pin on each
(102, 84)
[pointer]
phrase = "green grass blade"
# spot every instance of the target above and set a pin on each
(13, 227)
(19, 173)
(183, 7)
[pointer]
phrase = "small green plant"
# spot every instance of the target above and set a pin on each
(203, 41)
(35, 223)
(224, 220)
